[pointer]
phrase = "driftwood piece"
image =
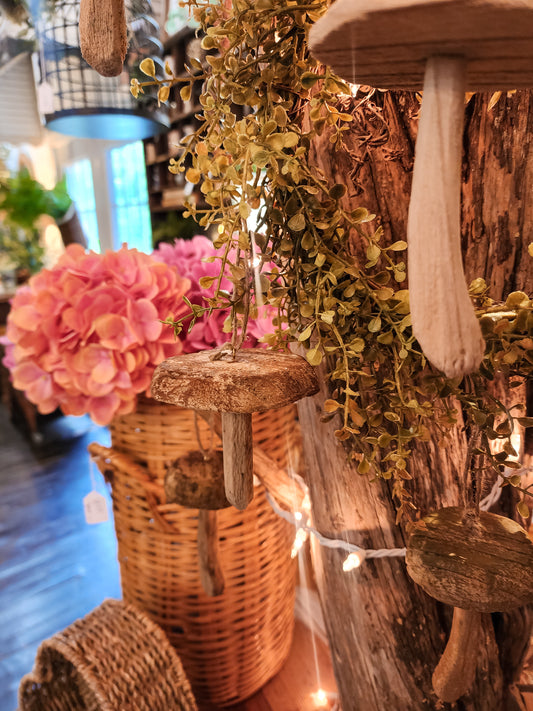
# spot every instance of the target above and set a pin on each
(442, 315)
(478, 562)
(238, 457)
(211, 575)
(275, 479)
(103, 35)
(455, 673)
(453, 45)
(385, 43)
(254, 380)
(384, 642)
(197, 481)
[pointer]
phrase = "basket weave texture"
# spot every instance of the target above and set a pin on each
(231, 644)
(113, 659)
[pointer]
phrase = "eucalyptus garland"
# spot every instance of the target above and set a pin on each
(264, 101)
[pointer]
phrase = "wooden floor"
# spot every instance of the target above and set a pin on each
(54, 568)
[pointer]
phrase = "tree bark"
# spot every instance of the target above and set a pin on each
(385, 633)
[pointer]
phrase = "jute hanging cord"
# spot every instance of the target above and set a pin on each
(103, 35)
(444, 47)
(236, 385)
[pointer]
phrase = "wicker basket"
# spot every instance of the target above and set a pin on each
(231, 644)
(113, 659)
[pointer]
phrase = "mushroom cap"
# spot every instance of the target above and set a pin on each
(480, 562)
(256, 381)
(385, 43)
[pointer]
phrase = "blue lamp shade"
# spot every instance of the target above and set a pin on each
(112, 124)
(85, 104)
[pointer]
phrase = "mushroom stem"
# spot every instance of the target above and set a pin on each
(443, 318)
(211, 575)
(103, 35)
(456, 670)
(238, 458)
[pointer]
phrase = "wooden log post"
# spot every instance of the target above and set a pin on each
(386, 634)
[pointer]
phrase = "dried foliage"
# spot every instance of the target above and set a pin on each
(264, 101)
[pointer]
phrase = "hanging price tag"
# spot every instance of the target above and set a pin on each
(95, 507)
(94, 504)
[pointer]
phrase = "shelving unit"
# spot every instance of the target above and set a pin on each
(168, 192)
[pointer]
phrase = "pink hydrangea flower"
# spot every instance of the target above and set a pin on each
(87, 334)
(187, 256)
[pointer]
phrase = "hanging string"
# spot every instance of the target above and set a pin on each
(207, 453)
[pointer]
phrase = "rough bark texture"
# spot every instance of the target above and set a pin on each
(386, 634)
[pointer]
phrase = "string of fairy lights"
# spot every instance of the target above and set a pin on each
(356, 555)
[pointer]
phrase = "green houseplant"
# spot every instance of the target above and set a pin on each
(23, 201)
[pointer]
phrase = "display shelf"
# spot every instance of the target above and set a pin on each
(184, 117)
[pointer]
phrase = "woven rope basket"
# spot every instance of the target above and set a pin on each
(113, 659)
(231, 644)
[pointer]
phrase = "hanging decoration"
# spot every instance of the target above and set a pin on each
(196, 480)
(479, 563)
(76, 100)
(352, 315)
(236, 385)
(443, 48)
(103, 35)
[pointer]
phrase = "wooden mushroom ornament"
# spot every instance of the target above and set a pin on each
(196, 480)
(444, 47)
(103, 35)
(255, 380)
(478, 562)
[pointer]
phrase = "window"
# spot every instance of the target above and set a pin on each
(81, 190)
(129, 196)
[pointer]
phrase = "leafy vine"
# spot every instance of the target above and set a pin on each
(264, 102)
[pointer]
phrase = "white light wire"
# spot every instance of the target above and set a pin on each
(300, 522)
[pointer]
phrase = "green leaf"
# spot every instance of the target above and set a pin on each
(363, 467)
(517, 299)
(331, 405)
(523, 509)
(374, 325)
(306, 333)
(398, 246)
(314, 356)
(147, 67)
(308, 79)
(185, 92)
(372, 252)
(337, 191)
(297, 222)
(207, 281)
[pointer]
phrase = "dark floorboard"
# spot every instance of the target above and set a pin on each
(54, 568)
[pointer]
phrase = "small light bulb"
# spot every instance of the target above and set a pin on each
(306, 504)
(320, 698)
(299, 540)
(298, 515)
(256, 261)
(220, 229)
(352, 561)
